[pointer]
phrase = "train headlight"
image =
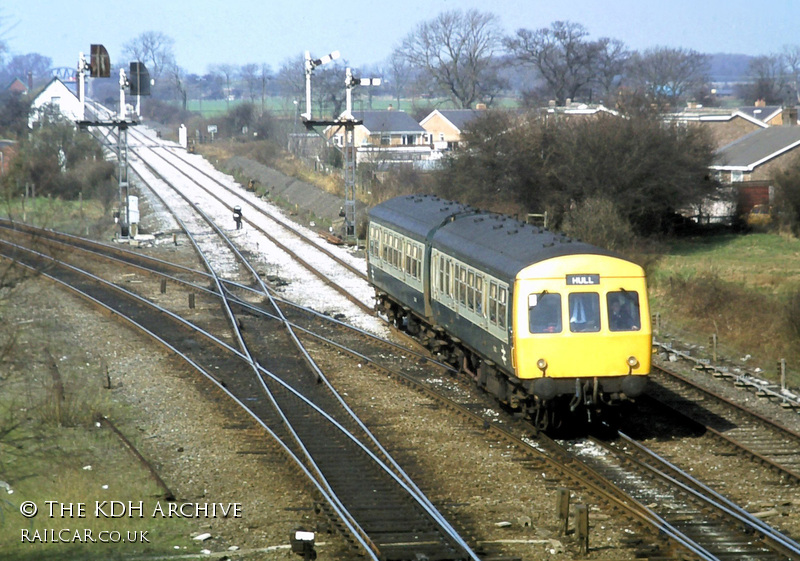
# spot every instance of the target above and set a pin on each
(541, 364)
(633, 362)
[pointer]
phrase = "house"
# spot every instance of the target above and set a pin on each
(17, 86)
(445, 126)
(771, 115)
(750, 163)
(725, 125)
(384, 136)
(728, 125)
(758, 155)
(56, 93)
(382, 128)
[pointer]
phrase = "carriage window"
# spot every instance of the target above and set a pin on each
(448, 275)
(502, 307)
(413, 264)
(544, 312)
(584, 312)
(373, 242)
(461, 279)
(492, 301)
(623, 311)
(471, 291)
(479, 295)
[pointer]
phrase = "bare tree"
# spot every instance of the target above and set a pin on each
(767, 81)
(265, 75)
(178, 77)
(5, 28)
(562, 55)
(609, 66)
(457, 50)
(328, 89)
(35, 64)
(154, 49)
(399, 75)
(291, 78)
(668, 76)
(249, 74)
(791, 62)
(224, 73)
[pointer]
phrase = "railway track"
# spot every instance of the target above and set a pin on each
(338, 273)
(754, 435)
(629, 475)
(709, 525)
(701, 553)
(560, 461)
(364, 488)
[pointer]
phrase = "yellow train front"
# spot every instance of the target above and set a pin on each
(547, 324)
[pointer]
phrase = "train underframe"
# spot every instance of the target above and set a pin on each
(566, 400)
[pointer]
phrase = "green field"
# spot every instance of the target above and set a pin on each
(285, 107)
(766, 263)
(745, 289)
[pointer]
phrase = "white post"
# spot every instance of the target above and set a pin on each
(348, 88)
(308, 69)
(122, 83)
(82, 85)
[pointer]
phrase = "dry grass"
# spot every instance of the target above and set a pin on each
(744, 289)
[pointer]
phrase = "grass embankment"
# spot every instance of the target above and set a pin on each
(52, 449)
(266, 153)
(84, 218)
(743, 288)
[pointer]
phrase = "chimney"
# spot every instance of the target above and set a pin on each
(761, 103)
(789, 116)
(480, 107)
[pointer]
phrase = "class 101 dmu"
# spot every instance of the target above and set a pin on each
(546, 323)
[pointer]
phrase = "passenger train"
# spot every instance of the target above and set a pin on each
(546, 323)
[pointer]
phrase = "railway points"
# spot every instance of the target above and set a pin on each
(234, 277)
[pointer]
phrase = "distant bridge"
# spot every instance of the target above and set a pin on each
(64, 73)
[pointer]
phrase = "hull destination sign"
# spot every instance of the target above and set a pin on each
(583, 280)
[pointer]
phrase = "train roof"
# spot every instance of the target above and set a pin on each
(503, 245)
(494, 242)
(416, 215)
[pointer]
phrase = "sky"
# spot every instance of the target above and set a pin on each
(365, 32)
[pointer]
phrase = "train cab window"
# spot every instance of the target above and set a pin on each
(584, 312)
(544, 312)
(623, 311)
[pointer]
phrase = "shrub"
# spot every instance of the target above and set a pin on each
(598, 221)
